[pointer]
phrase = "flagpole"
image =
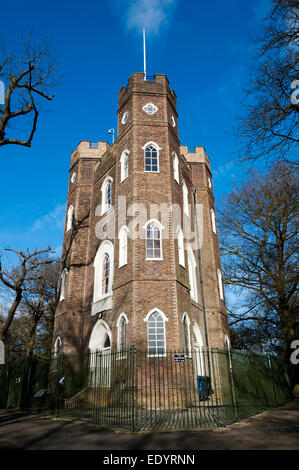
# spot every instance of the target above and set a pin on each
(144, 55)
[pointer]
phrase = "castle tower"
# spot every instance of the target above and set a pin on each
(141, 262)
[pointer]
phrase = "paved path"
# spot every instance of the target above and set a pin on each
(277, 429)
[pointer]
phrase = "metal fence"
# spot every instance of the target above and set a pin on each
(133, 391)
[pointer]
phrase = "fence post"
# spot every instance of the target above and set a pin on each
(132, 354)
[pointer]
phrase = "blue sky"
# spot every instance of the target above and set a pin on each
(203, 48)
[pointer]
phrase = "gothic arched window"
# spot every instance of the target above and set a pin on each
(213, 220)
(186, 328)
(124, 165)
(63, 284)
(106, 274)
(123, 246)
(153, 240)
(106, 194)
(151, 157)
(220, 284)
(176, 173)
(192, 274)
(70, 215)
(156, 332)
(103, 275)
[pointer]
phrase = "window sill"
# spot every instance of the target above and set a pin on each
(102, 304)
(153, 259)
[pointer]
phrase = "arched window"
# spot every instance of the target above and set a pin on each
(153, 240)
(220, 284)
(106, 274)
(192, 274)
(176, 173)
(63, 284)
(124, 165)
(151, 157)
(57, 346)
(213, 220)
(106, 194)
(103, 277)
(185, 199)
(181, 247)
(186, 329)
(122, 323)
(156, 332)
(123, 246)
(70, 214)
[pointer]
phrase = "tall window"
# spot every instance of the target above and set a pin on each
(181, 247)
(213, 220)
(63, 284)
(106, 274)
(185, 199)
(151, 157)
(70, 214)
(153, 241)
(103, 277)
(220, 284)
(57, 346)
(156, 333)
(176, 173)
(123, 246)
(186, 328)
(124, 165)
(122, 333)
(192, 274)
(106, 194)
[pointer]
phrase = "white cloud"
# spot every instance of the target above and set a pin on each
(149, 14)
(54, 219)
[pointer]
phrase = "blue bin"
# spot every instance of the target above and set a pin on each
(204, 387)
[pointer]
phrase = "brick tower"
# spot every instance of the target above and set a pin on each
(141, 262)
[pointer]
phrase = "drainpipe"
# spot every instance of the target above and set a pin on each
(201, 279)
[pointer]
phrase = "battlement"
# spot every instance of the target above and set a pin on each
(198, 156)
(158, 84)
(89, 149)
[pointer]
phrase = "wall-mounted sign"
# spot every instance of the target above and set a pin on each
(179, 357)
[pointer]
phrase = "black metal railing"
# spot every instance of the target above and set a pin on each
(133, 391)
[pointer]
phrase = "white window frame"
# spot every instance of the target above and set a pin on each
(105, 208)
(192, 274)
(70, 215)
(185, 199)
(124, 170)
(186, 321)
(181, 247)
(165, 319)
(176, 167)
(220, 284)
(156, 146)
(160, 226)
(213, 221)
(102, 301)
(155, 109)
(123, 246)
